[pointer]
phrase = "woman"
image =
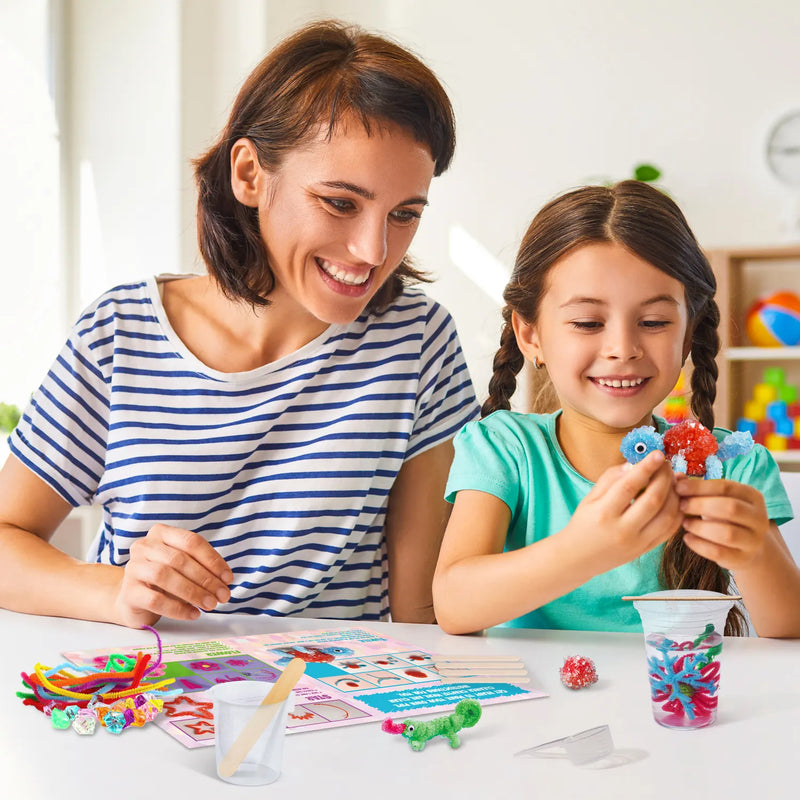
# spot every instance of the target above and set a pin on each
(273, 436)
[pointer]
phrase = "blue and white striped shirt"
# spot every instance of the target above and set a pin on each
(285, 469)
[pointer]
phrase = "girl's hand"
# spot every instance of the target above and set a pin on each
(726, 521)
(173, 573)
(630, 510)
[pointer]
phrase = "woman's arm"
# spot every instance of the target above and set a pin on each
(477, 585)
(727, 522)
(415, 524)
(171, 572)
(35, 577)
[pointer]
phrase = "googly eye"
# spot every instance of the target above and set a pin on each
(640, 447)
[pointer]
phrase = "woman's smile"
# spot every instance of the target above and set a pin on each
(348, 280)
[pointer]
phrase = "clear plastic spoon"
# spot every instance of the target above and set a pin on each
(580, 748)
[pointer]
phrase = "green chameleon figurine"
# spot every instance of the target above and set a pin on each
(467, 712)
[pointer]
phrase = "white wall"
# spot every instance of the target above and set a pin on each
(122, 120)
(548, 96)
(31, 283)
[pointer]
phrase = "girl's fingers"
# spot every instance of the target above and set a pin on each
(648, 501)
(726, 557)
(733, 490)
(632, 482)
(656, 527)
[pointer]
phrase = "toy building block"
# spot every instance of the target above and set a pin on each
(772, 415)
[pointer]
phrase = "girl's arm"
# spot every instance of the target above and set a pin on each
(171, 571)
(628, 512)
(415, 523)
(727, 522)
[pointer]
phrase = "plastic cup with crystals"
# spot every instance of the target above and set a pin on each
(235, 704)
(683, 632)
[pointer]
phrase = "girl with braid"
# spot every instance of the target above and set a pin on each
(609, 296)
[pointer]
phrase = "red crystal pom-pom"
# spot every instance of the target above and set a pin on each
(578, 672)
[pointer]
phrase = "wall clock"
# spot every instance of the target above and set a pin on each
(783, 149)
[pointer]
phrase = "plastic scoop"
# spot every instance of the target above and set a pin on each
(261, 718)
(580, 748)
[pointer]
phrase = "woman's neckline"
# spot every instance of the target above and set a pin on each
(156, 285)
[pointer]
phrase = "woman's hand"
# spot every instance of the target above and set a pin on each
(726, 521)
(174, 573)
(629, 511)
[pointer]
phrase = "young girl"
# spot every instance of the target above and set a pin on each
(609, 296)
(273, 436)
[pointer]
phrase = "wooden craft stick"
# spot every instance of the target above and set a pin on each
(444, 670)
(262, 717)
(480, 665)
(440, 659)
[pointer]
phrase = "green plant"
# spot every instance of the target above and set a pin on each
(646, 173)
(9, 417)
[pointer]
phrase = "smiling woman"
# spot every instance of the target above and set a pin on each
(274, 436)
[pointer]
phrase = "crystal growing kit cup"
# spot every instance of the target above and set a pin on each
(683, 632)
(235, 705)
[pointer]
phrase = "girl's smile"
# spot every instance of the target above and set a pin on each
(620, 386)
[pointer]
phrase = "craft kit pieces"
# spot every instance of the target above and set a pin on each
(353, 676)
(418, 732)
(118, 696)
(581, 748)
(481, 669)
(578, 672)
(250, 729)
(689, 447)
(683, 630)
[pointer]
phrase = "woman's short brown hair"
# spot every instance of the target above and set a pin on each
(322, 74)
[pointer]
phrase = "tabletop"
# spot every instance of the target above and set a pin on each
(748, 753)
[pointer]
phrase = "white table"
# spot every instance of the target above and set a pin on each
(749, 753)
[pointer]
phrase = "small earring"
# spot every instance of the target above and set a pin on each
(536, 363)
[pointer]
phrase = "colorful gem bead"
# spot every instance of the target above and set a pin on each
(115, 722)
(84, 723)
(60, 719)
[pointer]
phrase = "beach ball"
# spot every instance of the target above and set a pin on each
(774, 320)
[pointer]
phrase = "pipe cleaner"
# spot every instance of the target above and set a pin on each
(690, 447)
(467, 713)
(117, 696)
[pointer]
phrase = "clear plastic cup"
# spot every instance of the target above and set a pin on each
(683, 632)
(235, 704)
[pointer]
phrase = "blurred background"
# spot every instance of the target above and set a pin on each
(105, 102)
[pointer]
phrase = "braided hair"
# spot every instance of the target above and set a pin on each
(648, 223)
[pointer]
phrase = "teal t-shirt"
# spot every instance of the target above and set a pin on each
(517, 458)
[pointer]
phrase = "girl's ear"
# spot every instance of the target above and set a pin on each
(246, 173)
(527, 338)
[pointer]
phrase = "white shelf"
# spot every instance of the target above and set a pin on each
(786, 456)
(762, 353)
